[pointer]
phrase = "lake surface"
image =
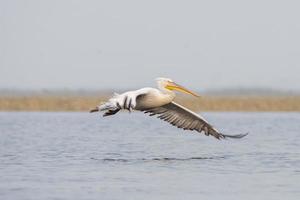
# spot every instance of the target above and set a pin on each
(132, 156)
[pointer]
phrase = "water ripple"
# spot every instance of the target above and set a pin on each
(157, 159)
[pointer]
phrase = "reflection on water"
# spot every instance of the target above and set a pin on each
(156, 159)
(132, 156)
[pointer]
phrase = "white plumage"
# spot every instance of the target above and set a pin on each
(160, 102)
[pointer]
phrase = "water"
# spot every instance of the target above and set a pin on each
(133, 156)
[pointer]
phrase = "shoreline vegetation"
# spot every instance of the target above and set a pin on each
(204, 103)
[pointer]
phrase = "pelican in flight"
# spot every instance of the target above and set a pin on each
(160, 102)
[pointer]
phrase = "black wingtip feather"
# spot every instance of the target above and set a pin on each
(94, 110)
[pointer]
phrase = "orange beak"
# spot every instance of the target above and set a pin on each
(175, 86)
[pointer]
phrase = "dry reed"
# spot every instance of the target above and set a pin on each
(207, 103)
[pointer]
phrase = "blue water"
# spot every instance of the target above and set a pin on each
(132, 156)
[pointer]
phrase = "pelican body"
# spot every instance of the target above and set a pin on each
(160, 102)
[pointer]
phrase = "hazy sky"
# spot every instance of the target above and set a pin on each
(126, 44)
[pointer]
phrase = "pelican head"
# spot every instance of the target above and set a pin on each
(170, 85)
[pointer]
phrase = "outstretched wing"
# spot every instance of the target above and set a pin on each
(184, 118)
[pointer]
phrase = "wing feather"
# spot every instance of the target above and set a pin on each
(186, 119)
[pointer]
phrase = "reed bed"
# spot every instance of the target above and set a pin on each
(206, 103)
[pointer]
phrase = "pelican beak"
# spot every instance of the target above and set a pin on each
(175, 86)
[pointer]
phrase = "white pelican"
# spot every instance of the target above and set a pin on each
(160, 102)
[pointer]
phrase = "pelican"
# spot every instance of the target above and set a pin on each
(160, 102)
